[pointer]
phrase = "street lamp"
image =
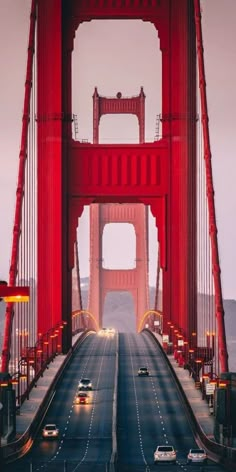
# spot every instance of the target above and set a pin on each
(13, 293)
(156, 325)
(16, 380)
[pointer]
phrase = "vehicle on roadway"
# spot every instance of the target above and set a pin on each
(197, 455)
(111, 330)
(165, 453)
(50, 431)
(85, 384)
(102, 332)
(82, 398)
(106, 331)
(143, 371)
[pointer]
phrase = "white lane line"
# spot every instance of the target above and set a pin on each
(137, 410)
(69, 416)
(93, 411)
(156, 395)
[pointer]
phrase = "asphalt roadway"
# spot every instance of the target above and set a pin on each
(150, 412)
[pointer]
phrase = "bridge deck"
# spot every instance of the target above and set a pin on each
(198, 405)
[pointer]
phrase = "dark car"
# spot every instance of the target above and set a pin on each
(143, 371)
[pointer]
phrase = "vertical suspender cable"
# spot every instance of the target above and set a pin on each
(156, 302)
(20, 188)
(223, 355)
(76, 252)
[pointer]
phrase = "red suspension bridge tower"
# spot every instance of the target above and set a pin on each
(161, 174)
(103, 280)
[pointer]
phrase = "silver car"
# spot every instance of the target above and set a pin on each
(165, 453)
(85, 384)
(196, 455)
(50, 431)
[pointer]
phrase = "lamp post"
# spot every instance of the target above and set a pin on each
(13, 294)
(156, 326)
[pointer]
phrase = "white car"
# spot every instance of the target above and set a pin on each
(196, 455)
(165, 453)
(85, 384)
(50, 431)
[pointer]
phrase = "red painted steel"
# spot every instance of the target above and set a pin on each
(122, 171)
(78, 322)
(119, 279)
(72, 174)
(20, 187)
(118, 105)
(7, 291)
(164, 172)
(223, 354)
(158, 302)
(160, 174)
(51, 206)
(104, 280)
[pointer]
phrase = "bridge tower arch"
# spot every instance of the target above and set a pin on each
(104, 280)
(117, 105)
(161, 174)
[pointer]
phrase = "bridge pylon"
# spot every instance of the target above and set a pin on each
(104, 280)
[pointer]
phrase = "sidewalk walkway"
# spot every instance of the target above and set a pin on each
(199, 405)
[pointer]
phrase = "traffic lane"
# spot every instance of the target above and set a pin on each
(143, 418)
(138, 428)
(74, 425)
(170, 410)
(173, 408)
(139, 402)
(99, 370)
(91, 423)
(127, 422)
(60, 411)
(95, 419)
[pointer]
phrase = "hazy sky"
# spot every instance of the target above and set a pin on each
(117, 56)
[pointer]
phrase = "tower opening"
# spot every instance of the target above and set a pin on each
(119, 129)
(106, 56)
(119, 246)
